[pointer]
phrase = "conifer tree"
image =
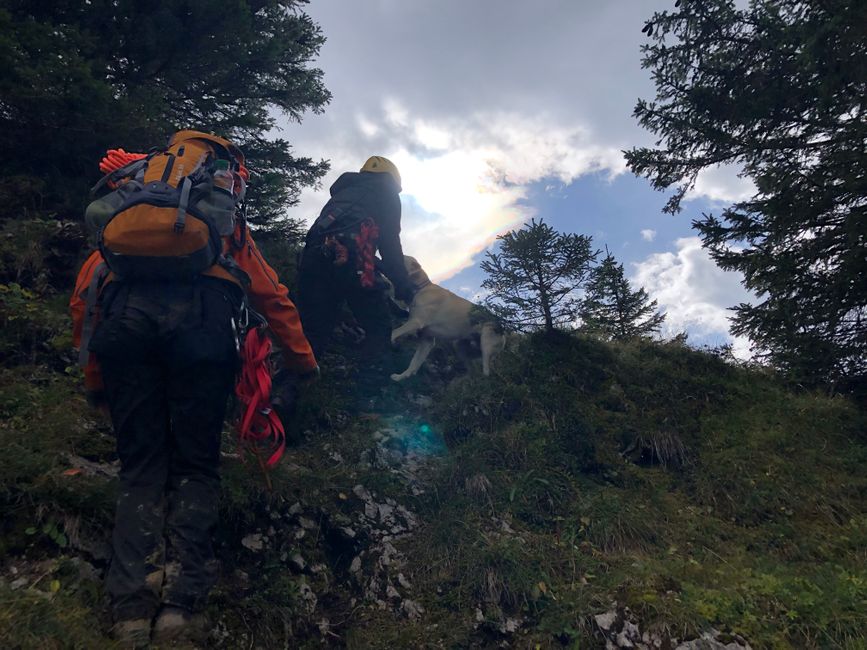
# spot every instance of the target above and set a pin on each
(612, 309)
(534, 277)
(777, 89)
(80, 77)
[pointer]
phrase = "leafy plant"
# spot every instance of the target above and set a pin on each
(27, 324)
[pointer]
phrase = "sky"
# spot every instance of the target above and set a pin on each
(499, 111)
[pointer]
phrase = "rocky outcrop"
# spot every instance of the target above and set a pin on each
(620, 629)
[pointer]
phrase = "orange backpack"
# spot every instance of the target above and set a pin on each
(166, 218)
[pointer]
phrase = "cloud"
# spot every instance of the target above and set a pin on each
(721, 184)
(572, 60)
(456, 208)
(530, 96)
(694, 292)
(464, 179)
(479, 103)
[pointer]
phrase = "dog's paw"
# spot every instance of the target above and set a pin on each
(396, 377)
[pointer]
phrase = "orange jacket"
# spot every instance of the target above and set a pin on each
(77, 306)
(271, 299)
(78, 300)
(266, 294)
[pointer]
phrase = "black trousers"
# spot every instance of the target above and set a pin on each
(323, 290)
(169, 364)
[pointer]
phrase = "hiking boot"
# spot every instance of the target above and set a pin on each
(179, 624)
(133, 633)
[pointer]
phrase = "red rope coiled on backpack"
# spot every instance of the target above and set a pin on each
(365, 242)
(259, 424)
(114, 159)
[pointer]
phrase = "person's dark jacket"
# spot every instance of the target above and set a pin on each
(356, 196)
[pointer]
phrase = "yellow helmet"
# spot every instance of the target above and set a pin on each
(380, 164)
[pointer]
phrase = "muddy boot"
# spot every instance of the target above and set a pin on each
(133, 633)
(179, 624)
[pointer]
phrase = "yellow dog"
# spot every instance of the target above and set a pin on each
(437, 313)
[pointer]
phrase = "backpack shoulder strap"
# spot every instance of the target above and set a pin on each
(127, 171)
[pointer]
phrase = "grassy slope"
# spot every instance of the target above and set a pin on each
(581, 474)
(738, 504)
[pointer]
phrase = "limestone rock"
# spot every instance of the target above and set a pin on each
(412, 609)
(298, 563)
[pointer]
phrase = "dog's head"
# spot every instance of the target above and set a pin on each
(416, 274)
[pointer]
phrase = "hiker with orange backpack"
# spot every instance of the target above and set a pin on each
(158, 312)
(339, 264)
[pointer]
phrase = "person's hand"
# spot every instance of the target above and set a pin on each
(96, 400)
(310, 377)
(284, 394)
(285, 387)
(406, 294)
(397, 309)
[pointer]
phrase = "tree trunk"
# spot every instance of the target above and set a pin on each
(546, 306)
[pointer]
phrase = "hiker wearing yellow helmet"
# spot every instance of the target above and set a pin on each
(381, 164)
(339, 264)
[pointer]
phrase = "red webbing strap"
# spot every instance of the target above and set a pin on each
(365, 242)
(259, 425)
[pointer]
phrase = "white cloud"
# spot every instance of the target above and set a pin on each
(367, 128)
(741, 347)
(721, 184)
(518, 94)
(693, 291)
(463, 179)
(454, 209)
(473, 125)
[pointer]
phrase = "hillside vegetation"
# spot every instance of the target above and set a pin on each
(584, 491)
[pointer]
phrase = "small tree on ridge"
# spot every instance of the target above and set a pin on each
(533, 278)
(610, 307)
